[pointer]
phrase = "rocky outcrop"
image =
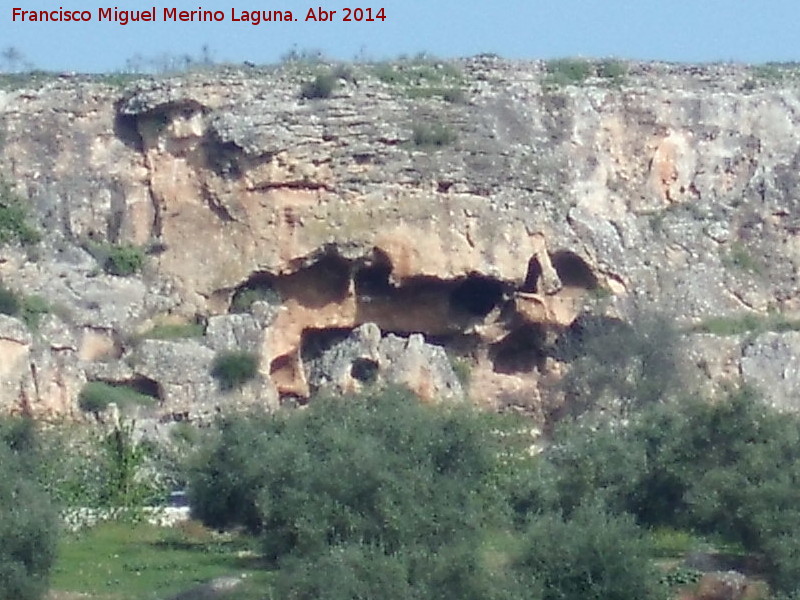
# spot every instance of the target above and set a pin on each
(674, 188)
(366, 358)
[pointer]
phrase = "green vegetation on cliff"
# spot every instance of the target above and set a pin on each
(14, 218)
(27, 522)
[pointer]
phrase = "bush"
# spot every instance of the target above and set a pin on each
(618, 367)
(381, 479)
(27, 522)
(233, 369)
(568, 71)
(592, 555)
(321, 86)
(88, 468)
(14, 225)
(612, 70)
(432, 135)
(33, 307)
(123, 260)
(380, 495)
(730, 469)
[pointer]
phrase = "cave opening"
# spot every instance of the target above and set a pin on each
(315, 342)
(364, 370)
(323, 282)
(476, 295)
(144, 386)
(373, 280)
(532, 276)
(520, 351)
(573, 271)
(260, 286)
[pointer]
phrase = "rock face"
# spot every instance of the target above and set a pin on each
(366, 358)
(674, 187)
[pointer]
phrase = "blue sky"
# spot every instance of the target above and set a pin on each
(676, 30)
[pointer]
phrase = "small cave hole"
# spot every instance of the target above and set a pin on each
(364, 370)
(476, 295)
(323, 282)
(258, 287)
(316, 342)
(572, 270)
(521, 351)
(532, 276)
(373, 281)
(144, 386)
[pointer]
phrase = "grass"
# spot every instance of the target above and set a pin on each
(116, 561)
(673, 543)
(173, 331)
(739, 257)
(575, 71)
(423, 77)
(749, 323)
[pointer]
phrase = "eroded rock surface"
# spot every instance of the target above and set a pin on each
(675, 188)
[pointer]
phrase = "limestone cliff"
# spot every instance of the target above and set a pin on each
(484, 220)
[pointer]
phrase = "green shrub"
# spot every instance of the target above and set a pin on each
(123, 260)
(568, 71)
(349, 470)
(33, 307)
(728, 469)
(9, 301)
(14, 226)
(612, 70)
(233, 369)
(322, 86)
(592, 555)
(28, 526)
(87, 467)
(97, 395)
(616, 366)
(355, 495)
(434, 135)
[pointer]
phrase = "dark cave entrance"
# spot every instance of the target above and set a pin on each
(573, 271)
(476, 296)
(521, 351)
(372, 281)
(260, 286)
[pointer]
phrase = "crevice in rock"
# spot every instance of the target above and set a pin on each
(522, 350)
(311, 186)
(532, 276)
(573, 271)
